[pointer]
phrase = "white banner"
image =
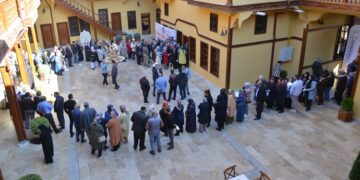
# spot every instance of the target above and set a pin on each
(352, 46)
(164, 33)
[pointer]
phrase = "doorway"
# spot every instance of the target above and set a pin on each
(103, 17)
(47, 35)
(116, 21)
(63, 33)
(185, 40)
(145, 23)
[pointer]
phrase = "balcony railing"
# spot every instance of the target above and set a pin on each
(341, 1)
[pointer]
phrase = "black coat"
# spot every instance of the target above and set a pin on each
(139, 120)
(144, 84)
(167, 118)
(190, 118)
(341, 84)
(59, 104)
(155, 73)
(182, 79)
(46, 142)
(220, 108)
(173, 80)
(210, 102)
(69, 105)
(203, 116)
(281, 94)
(261, 94)
(178, 115)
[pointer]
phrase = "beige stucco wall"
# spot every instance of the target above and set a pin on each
(247, 2)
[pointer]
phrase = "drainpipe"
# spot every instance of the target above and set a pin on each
(52, 21)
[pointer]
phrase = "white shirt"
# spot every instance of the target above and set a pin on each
(296, 88)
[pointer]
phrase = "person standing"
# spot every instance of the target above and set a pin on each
(114, 74)
(329, 84)
(220, 109)
(114, 131)
(178, 115)
(295, 92)
(173, 85)
(240, 106)
(124, 122)
(95, 132)
(75, 51)
(247, 91)
(207, 95)
(59, 109)
(156, 71)
(145, 88)
(231, 106)
(133, 49)
(310, 87)
(187, 72)
(190, 116)
(321, 88)
(37, 99)
(340, 87)
(260, 95)
(86, 118)
(79, 133)
(145, 55)
(203, 116)
(161, 85)
(45, 108)
(28, 107)
(69, 106)
(104, 72)
(68, 55)
(46, 143)
(139, 120)
(153, 126)
(182, 81)
(281, 95)
(168, 121)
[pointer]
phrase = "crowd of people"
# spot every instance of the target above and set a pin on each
(229, 106)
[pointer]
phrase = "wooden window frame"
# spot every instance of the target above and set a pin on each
(192, 49)
(341, 32)
(31, 39)
(214, 22)
(204, 57)
(77, 26)
(83, 23)
(166, 9)
(132, 23)
(259, 22)
(215, 61)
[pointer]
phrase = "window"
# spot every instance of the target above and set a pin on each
(31, 39)
(213, 22)
(260, 24)
(179, 36)
(131, 19)
(341, 41)
(158, 14)
(192, 49)
(166, 9)
(84, 25)
(74, 26)
(215, 61)
(204, 55)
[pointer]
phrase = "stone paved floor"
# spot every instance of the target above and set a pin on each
(310, 145)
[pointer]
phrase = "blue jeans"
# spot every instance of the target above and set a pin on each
(155, 138)
(76, 58)
(182, 92)
(327, 93)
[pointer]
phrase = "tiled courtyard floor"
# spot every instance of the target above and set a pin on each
(306, 145)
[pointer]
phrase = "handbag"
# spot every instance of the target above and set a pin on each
(101, 139)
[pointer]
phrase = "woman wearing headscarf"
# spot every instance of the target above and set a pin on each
(310, 88)
(46, 143)
(114, 131)
(178, 115)
(231, 106)
(101, 120)
(203, 115)
(96, 131)
(247, 91)
(220, 109)
(169, 125)
(207, 95)
(240, 106)
(124, 122)
(190, 116)
(164, 113)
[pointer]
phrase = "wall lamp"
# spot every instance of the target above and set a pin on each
(223, 32)
(260, 13)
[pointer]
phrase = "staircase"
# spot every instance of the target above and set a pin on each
(87, 15)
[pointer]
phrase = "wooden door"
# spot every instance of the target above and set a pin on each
(145, 23)
(116, 21)
(47, 35)
(103, 17)
(63, 33)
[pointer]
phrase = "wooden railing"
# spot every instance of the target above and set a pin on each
(8, 14)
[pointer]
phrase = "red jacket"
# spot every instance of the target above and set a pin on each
(128, 47)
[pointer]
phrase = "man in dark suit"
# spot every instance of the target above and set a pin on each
(260, 98)
(139, 120)
(145, 87)
(69, 106)
(59, 109)
(340, 87)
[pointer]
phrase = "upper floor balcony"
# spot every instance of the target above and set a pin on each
(344, 5)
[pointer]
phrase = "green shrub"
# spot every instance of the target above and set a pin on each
(283, 74)
(36, 122)
(347, 104)
(355, 171)
(30, 177)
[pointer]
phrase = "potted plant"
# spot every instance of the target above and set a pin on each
(355, 171)
(283, 74)
(30, 177)
(345, 112)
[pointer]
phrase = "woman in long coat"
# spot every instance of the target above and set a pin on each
(231, 108)
(310, 88)
(47, 143)
(124, 121)
(210, 100)
(96, 131)
(178, 115)
(190, 117)
(114, 131)
(203, 115)
(240, 106)
(220, 109)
